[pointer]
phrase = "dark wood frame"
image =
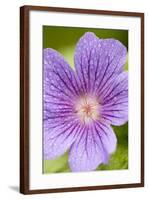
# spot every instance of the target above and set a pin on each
(24, 98)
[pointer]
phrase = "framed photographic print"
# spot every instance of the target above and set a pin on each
(81, 99)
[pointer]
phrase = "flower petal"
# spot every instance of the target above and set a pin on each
(107, 136)
(58, 138)
(86, 60)
(87, 152)
(60, 90)
(59, 79)
(112, 60)
(114, 98)
(97, 60)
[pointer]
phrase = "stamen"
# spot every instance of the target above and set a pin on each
(87, 108)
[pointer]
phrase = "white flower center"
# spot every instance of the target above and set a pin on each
(87, 108)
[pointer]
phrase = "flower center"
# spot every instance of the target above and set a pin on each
(87, 109)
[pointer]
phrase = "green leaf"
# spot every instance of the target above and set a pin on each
(126, 64)
(58, 165)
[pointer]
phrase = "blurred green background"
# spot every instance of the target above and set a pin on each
(64, 39)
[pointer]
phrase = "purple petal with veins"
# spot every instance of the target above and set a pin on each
(80, 106)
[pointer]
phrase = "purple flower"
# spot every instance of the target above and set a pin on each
(81, 105)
